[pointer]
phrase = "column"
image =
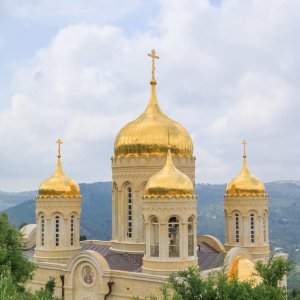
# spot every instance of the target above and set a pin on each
(260, 232)
(245, 231)
(147, 228)
(183, 241)
(163, 241)
(230, 230)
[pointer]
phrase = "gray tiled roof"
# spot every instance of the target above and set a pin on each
(208, 257)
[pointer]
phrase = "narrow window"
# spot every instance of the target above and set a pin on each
(72, 230)
(173, 230)
(129, 200)
(265, 227)
(57, 231)
(42, 230)
(191, 236)
(252, 228)
(154, 237)
(237, 228)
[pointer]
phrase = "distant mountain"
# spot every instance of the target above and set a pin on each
(8, 200)
(284, 213)
(284, 221)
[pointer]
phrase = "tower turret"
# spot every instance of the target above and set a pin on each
(170, 214)
(58, 208)
(139, 152)
(246, 213)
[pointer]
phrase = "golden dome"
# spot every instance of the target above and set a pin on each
(245, 184)
(148, 134)
(169, 182)
(244, 270)
(59, 185)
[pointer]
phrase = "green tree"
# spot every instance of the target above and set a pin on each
(50, 286)
(189, 284)
(274, 270)
(9, 291)
(12, 258)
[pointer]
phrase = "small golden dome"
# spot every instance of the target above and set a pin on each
(244, 270)
(148, 134)
(169, 182)
(245, 184)
(59, 185)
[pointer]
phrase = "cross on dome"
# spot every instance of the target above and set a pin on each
(153, 56)
(244, 143)
(59, 142)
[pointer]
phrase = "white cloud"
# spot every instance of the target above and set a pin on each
(31, 9)
(226, 72)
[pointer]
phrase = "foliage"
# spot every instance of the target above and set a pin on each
(294, 294)
(83, 237)
(273, 271)
(146, 298)
(190, 285)
(11, 254)
(50, 286)
(9, 291)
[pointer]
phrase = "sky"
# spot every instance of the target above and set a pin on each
(78, 70)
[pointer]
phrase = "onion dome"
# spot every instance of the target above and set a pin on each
(245, 184)
(148, 134)
(243, 269)
(59, 185)
(169, 182)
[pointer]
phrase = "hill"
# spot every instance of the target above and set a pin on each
(8, 200)
(284, 212)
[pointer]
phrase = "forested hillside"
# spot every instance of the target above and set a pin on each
(284, 221)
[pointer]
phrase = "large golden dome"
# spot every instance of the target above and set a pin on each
(245, 184)
(169, 182)
(59, 185)
(151, 131)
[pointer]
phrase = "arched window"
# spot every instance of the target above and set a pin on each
(129, 201)
(42, 230)
(154, 237)
(57, 231)
(237, 227)
(173, 230)
(72, 230)
(252, 228)
(191, 236)
(265, 226)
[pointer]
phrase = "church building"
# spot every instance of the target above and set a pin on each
(154, 218)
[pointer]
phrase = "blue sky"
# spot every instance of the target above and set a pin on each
(79, 71)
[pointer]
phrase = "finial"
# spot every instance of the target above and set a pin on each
(152, 54)
(59, 142)
(244, 143)
(244, 156)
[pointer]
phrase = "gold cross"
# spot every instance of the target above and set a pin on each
(152, 54)
(244, 143)
(59, 142)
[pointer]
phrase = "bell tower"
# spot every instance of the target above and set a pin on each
(170, 214)
(246, 213)
(140, 150)
(58, 209)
